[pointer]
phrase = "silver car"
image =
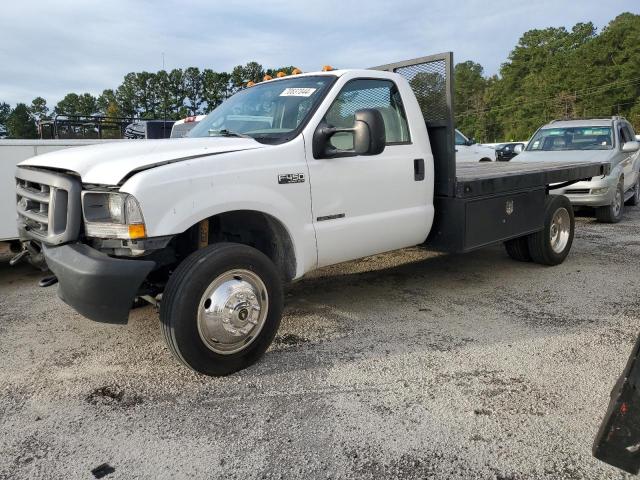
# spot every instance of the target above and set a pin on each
(603, 140)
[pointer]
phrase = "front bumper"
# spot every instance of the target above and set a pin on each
(97, 286)
(580, 193)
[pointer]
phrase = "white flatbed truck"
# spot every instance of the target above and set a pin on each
(284, 177)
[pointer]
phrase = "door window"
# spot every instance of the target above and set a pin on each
(460, 140)
(383, 95)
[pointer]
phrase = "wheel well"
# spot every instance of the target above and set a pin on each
(485, 159)
(255, 229)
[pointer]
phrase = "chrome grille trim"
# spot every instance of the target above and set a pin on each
(48, 206)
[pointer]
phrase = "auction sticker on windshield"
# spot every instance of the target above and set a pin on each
(297, 92)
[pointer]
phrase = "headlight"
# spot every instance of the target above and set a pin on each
(112, 215)
(599, 191)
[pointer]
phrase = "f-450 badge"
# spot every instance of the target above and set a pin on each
(290, 178)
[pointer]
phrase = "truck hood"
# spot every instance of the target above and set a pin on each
(110, 163)
(581, 156)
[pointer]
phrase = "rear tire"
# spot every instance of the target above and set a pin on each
(551, 245)
(613, 213)
(221, 308)
(518, 249)
(635, 199)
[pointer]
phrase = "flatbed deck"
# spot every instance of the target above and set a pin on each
(479, 179)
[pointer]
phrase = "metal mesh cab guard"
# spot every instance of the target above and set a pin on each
(431, 79)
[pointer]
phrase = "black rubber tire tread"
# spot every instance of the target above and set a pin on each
(540, 243)
(190, 279)
(605, 214)
(634, 201)
(518, 249)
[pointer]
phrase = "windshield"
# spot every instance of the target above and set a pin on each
(270, 112)
(461, 139)
(571, 138)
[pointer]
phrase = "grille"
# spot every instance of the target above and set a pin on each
(577, 191)
(48, 206)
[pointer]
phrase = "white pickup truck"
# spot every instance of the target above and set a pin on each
(284, 177)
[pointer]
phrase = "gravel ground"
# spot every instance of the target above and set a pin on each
(404, 365)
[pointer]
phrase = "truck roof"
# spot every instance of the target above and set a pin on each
(335, 73)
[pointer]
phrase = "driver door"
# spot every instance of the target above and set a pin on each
(367, 204)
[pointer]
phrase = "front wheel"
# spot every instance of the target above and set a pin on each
(613, 213)
(221, 308)
(551, 245)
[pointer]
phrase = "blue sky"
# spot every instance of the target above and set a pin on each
(50, 48)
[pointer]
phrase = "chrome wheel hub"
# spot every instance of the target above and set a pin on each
(232, 311)
(560, 230)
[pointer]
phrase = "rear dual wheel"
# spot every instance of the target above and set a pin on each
(552, 244)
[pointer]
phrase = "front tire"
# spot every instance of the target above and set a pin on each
(613, 213)
(551, 245)
(222, 308)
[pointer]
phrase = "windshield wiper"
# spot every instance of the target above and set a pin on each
(227, 133)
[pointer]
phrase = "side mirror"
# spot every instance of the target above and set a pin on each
(471, 141)
(368, 132)
(631, 147)
(518, 148)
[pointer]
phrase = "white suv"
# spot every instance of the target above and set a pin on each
(600, 140)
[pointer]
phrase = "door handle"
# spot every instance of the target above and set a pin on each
(418, 169)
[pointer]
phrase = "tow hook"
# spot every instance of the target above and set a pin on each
(32, 252)
(18, 257)
(48, 281)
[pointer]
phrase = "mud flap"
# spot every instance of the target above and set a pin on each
(618, 440)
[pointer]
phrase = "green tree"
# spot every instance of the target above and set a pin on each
(469, 97)
(87, 104)
(5, 110)
(147, 95)
(193, 89)
(126, 96)
(215, 88)
(38, 109)
(251, 72)
(69, 105)
(177, 93)
(20, 123)
(105, 100)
